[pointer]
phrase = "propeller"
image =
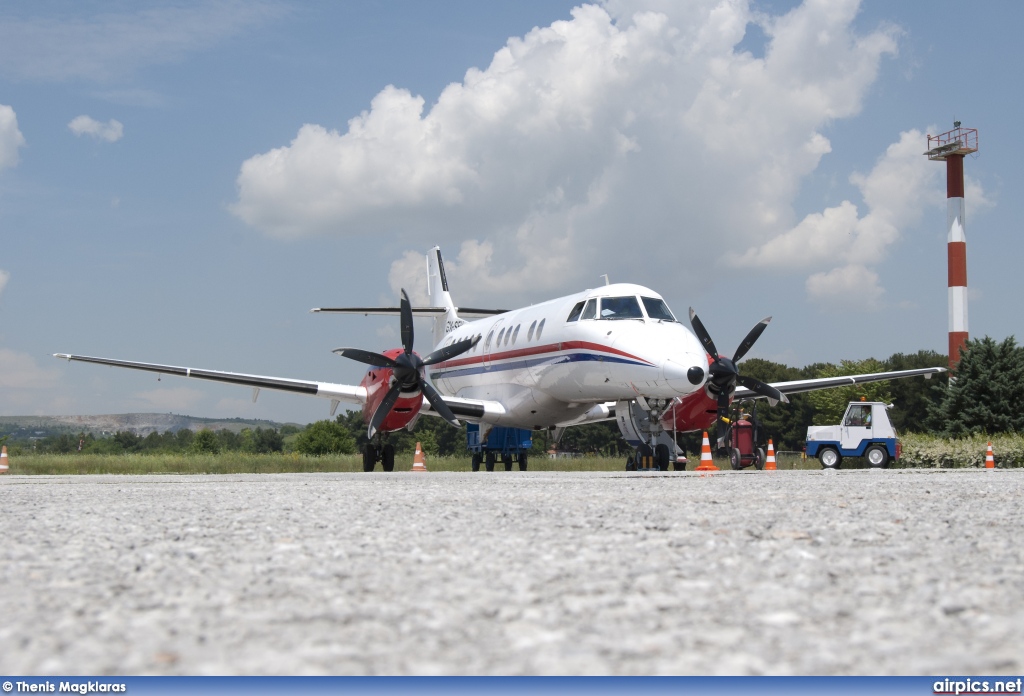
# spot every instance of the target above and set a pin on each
(723, 376)
(407, 370)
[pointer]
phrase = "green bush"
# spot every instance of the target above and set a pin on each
(929, 451)
(325, 437)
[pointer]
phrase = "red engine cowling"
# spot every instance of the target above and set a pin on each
(696, 411)
(377, 381)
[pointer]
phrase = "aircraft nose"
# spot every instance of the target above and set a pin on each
(683, 376)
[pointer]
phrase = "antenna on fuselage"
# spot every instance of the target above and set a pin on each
(606, 281)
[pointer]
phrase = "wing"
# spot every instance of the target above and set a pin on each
(326, 390)
(416, 311)
(806, 385)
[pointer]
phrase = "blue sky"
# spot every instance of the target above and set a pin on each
(181, 182)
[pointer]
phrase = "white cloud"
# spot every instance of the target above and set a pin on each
(849, 288)
(20, 371)
(111, 131)
(4, 277)
(73, 44)
(900, 187)
(10, 137)
(623, 140)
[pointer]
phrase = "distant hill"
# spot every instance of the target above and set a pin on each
(24, 427)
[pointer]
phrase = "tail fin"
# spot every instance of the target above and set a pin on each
(437, 289)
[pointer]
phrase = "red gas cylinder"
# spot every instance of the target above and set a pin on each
(743, 436)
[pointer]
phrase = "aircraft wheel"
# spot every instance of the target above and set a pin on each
(489, 461)
(369, 457)
(522, 461)
(877, 457)
(506, 459)
(830, 458)
(630, 463)
(661, 457)
(759, 459)
(477, 460)
(736, 459)
(387, 458)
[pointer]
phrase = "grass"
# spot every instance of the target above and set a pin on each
(242, 463)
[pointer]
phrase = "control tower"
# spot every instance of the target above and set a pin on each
(951, 146)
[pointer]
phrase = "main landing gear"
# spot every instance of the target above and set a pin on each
(658, 458)
(383, 452)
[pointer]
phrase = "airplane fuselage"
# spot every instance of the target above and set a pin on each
(551, 362)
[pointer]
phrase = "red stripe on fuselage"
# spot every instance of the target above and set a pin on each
(538, 350)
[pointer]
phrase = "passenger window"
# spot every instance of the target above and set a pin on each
(540, 328)
(575, 313)
(487, 343)
(591, 310)
(529, 335)
(508, 335)
(500, 334)
(515, 334)
(620, 308)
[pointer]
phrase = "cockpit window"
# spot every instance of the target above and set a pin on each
(657, 309)
(575, 313)
(590, 311)
(620, 308)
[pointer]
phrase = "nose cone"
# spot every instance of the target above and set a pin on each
(684, 375)
(695, 375)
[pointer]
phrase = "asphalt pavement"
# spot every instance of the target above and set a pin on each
(788, 572)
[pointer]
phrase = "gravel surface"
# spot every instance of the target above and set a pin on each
(802, 572)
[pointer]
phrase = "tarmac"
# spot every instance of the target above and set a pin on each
(510, 573)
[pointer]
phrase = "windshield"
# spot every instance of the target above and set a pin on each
(620, 308)
(657, 309)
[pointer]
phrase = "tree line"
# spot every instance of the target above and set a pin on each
(989, 384)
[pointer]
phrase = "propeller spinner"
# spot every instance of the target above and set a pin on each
(723, 375)
(407, 370)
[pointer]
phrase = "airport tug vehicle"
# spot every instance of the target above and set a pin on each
(865, 431)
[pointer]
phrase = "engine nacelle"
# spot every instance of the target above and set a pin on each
(406, 410)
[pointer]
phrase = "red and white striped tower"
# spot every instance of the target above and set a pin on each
(951, 147)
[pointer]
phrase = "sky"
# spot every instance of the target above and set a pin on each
(180, 182)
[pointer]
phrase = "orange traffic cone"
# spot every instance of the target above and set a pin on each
(4, 463)
(418, 462)
(706, 463)
(769, 464)
(990, 460)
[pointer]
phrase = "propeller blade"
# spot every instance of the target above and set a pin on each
(383, 409)
(702, 334)
(407, 335)
(449, 352)
(748, 342)
(759, 387)
(365, 356)
(438, 404)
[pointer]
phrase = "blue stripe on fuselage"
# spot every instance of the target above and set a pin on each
(522, 364)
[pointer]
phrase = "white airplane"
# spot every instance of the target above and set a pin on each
(615, 352)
